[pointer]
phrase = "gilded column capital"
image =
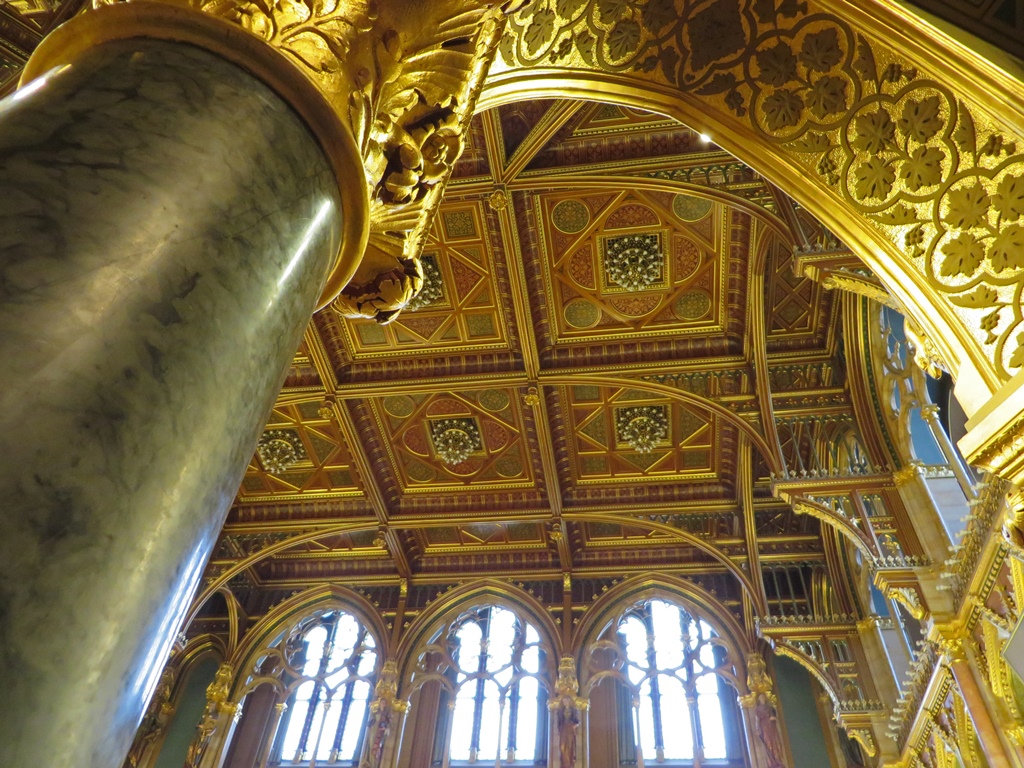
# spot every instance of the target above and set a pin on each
(952, 639)
(403, 81)
(868, 624)
(908, 474)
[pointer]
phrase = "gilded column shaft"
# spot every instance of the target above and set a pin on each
(167, 226)
(984, 725)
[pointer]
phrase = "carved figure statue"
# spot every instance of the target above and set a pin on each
(380, 736)
(766, 721)
(568, 723)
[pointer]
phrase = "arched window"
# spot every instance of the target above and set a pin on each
(495, 664)
(679, 704)
(327, 664)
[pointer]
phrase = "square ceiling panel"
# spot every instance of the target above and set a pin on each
(630, 264)
(313, 460)
(417, 430)
(628, 434)
(459, 307)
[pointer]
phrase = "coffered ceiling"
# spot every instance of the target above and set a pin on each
(610, 320)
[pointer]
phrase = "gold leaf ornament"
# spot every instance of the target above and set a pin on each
(921, 119)
(1007, 249)
(875, 131)
(776, 65)
(874, 178)
(964, 254)
(1009, 197)
(923, 168)
(968, 207)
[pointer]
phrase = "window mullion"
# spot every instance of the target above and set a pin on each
(513, 697)
(652, 665)
(478, 698)
(346, 705)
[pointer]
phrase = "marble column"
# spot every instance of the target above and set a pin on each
(167, 223)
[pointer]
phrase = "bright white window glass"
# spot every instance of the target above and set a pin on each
(353, 730)
(531, 660)
(647, 722)
(330, 681)
(526, 727)
(684, 661)
(485, 685)
(315, 640)
(468, 657)
(636, 641)
(314, 730)
(331, 720)
(489, 722)
(668, 644)
(462, 722)
(712, 728)
(368, 660)
(291, 737)
(677, 730)
(345, 637)
(500, 636)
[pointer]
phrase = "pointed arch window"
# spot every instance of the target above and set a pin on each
(495, 663)
(329, 664)
(677, 700)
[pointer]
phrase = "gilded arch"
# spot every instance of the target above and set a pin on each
(487, 591)
(633, 590)
(294, 608)
(917, 176)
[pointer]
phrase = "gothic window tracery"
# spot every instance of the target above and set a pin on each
(328, 663)
(495, 666)
(680, 678)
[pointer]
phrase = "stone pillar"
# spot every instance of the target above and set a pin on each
(167, 225)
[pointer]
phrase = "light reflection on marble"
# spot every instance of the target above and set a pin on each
(165, 228)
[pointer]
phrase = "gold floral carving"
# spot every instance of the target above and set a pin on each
(405, 79)
(915, 158)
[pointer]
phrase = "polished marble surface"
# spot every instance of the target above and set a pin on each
(165, 228)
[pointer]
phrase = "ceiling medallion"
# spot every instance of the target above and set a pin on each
(433, 286)
(570, 216)
(279, 450)
(642, 427)
(634, 262)
(455, 439)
